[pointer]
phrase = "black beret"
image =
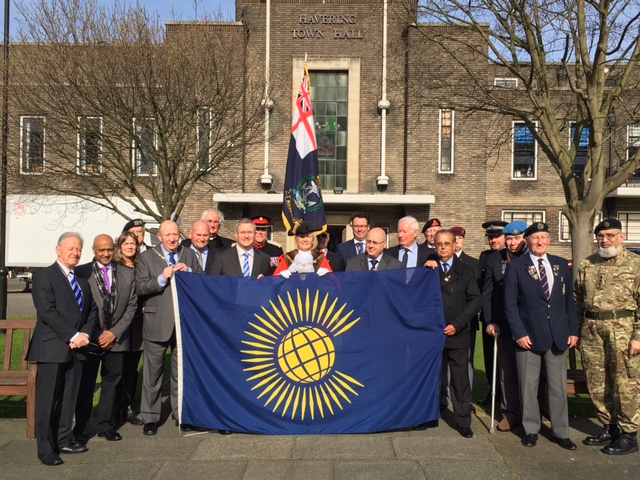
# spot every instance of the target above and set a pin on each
(434, 222)
(535, 228)
(304, 228)
(138, 222)
(609, 224)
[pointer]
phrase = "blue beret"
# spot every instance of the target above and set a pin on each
(515, 228)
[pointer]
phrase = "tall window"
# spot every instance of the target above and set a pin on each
(524, 152)
(203, 154)
(522, 216)
(31, 144)
(633, 143)
(582, 150)
(89, 145)
(329, 96)
(144, 145)
(445, 164)
(630, 225)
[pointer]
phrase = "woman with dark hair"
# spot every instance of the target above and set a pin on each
(127, 252)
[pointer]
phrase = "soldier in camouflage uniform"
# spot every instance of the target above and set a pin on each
(607, 293)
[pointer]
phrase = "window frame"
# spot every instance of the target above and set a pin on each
(23, 151)
(441, 112)
(80, 168)
(497, 80)
(572, 127)
(137, 134)
(199, 139)
(532, 212)
(563, 222)
(625, 225)
(513, 152)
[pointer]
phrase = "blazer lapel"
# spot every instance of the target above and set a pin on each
(236, 261)
(530, 270)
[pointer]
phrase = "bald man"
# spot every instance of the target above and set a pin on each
(113, 290)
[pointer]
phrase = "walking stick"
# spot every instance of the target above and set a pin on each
(492, 430)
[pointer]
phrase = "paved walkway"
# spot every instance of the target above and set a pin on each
(439, 453)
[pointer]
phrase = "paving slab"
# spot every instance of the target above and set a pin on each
(193, 470)
(374, 446)
(442, 469)
(243, 447)
(378, 470)
(289, 469)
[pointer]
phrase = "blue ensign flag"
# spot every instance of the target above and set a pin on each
(352, 352)
(302, 196)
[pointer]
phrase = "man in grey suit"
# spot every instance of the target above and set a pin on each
(374, 259)
(66, 319)
(113, 290)
(242, 260)
(154, 277)
(199, 236)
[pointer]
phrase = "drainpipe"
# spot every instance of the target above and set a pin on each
(383, 106)
(266, 180)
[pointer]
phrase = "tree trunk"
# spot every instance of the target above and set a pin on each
(581, 229)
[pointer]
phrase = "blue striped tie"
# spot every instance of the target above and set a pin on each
(543, 279)
(172, 258)
(245, 265)
(76, 289)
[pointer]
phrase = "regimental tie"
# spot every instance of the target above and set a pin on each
(76, 289)
(245, 265)
(107, 282)
(200, 258)
(543, 278)
(374, 264)
(445, 267)
(405, 259)
(358, 248)
(172, 258)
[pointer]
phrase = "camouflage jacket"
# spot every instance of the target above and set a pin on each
(609, 284)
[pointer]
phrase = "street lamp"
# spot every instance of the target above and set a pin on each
(3, 181)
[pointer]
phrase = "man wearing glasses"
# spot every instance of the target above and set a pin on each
(607, 292)
(374, 259)
(360, 225)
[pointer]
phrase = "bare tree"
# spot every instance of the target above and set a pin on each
(575, 62)
(133, 111)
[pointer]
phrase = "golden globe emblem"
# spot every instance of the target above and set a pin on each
(306, 354)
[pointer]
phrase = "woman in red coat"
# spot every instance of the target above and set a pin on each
(304, 259)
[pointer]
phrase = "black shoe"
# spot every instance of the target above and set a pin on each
(530, 440)
(627, 443)
(80, 441)
(485, 401)
(150, 428)
(608, 435)
(466, 432)
(51, 460)
(74, 449)
(566, 443)
(225, 432)
(133, 419)
(110, 436)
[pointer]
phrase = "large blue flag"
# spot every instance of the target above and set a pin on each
(302, 196)
(351, 352)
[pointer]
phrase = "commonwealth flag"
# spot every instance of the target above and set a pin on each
(302, 198)
(352, 352)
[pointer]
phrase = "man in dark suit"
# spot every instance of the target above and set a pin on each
(374, 259)
(409, 252)
(474, 263)
(113, 290)
(495, 240)
(507, 387)
(335, 259)
(66, 320)
(154, 281)
(213, 218)
(242, 260)
(541, 312)
(356, 246)
(461, 302)
(199, 236)
(263, 228)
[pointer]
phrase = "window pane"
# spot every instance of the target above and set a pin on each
(32, 144)
(330, 108)
(524, 151)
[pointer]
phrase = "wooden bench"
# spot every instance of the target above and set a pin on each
(22, 381)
